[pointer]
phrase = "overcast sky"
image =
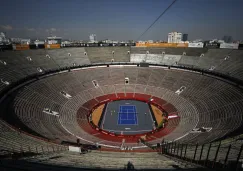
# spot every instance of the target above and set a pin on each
(121, 19)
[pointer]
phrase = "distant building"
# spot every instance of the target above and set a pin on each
(228, 39)
(66, 43)
(174, 37)
(3, 39)
(197, 41)
(54, 40)
(222, 41)
(150, 41)
(106, 41)
(184, 42)
(185, 37)
(25, 41)
(92, 38)
(109, 41)
(39, 42)
(20, 41)
(15, 40)
(213, 41)
(216, 41)
(130, 41)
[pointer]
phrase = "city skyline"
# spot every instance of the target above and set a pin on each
(125, 20)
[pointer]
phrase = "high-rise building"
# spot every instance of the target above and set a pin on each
(174, 37)
(185, 37)
(227, 39)
(92, 38)
(3, 39)
(2, 36)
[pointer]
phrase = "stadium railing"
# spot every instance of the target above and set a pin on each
(217, 155)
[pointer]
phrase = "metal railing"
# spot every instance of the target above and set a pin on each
(213, 155)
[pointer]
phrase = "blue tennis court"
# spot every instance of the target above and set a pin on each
(127, 115)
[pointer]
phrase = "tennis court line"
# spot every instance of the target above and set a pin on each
(136, 118)
(105, 115)
(118, 118)
(126, 131)
(151, 116)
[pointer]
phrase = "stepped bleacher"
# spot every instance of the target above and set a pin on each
(202, 104)
(15, 141)
(98, 160)
(108, 54)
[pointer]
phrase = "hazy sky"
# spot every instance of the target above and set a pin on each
(121, 19)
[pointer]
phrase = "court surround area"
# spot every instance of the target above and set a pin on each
(127, 117)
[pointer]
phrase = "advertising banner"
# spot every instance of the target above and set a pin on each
(182, 45)
(52, 46)
(162, 45)
(140, 45)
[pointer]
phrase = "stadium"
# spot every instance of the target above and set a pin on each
(130, 100)
(129, 105)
